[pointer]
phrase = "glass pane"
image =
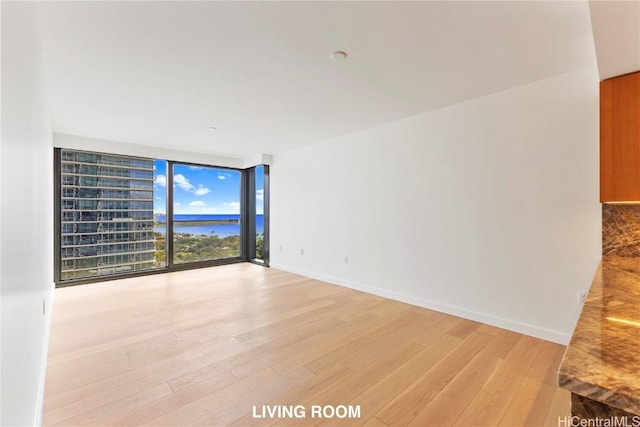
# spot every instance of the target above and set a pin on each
(159, 211)
(259, 185)
(105, 231)
(206, 208)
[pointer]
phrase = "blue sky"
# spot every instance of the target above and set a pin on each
(260, 190)
(200, 190)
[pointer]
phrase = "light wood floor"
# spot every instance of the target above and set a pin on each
(202, 347)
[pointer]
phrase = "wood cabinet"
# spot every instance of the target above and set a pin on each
(620, 139)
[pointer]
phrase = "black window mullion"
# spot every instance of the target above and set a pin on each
(57, 222)
(250, 209)
(169, 217)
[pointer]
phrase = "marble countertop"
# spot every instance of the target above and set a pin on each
(602, 361)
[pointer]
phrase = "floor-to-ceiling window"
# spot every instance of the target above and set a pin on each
(160, 211)
(259, 203)
(105, 215)
(121, 215)
(206, 213)
(258, 212)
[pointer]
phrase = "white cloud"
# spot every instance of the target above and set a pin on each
(177, 204)
(260, 195)
(195, 168)
(182, 182)
(197, 204)
(220, 176)
(158, 198)
(232, 207)
(201, 191)
(160, 180)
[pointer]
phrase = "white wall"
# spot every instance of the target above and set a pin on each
(26, 228)
(486, 209)
(116, 147)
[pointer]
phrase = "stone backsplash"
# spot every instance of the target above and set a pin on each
(621, 230)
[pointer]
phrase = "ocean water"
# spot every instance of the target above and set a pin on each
(222, 230)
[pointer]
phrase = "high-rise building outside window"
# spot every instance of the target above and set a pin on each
(106, 214)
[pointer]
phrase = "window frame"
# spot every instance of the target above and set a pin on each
(247, 199)
(171, 265)
(250, 203)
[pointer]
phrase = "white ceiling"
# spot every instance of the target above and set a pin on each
(616, 31)
(161, 73)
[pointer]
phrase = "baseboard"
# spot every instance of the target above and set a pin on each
(45, 354)
(489, 319)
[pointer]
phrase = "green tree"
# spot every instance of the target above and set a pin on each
(260, 246)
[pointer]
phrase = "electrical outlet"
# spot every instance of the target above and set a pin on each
(346, 259)
(582, 297)
(301, 251)
(280, 248)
